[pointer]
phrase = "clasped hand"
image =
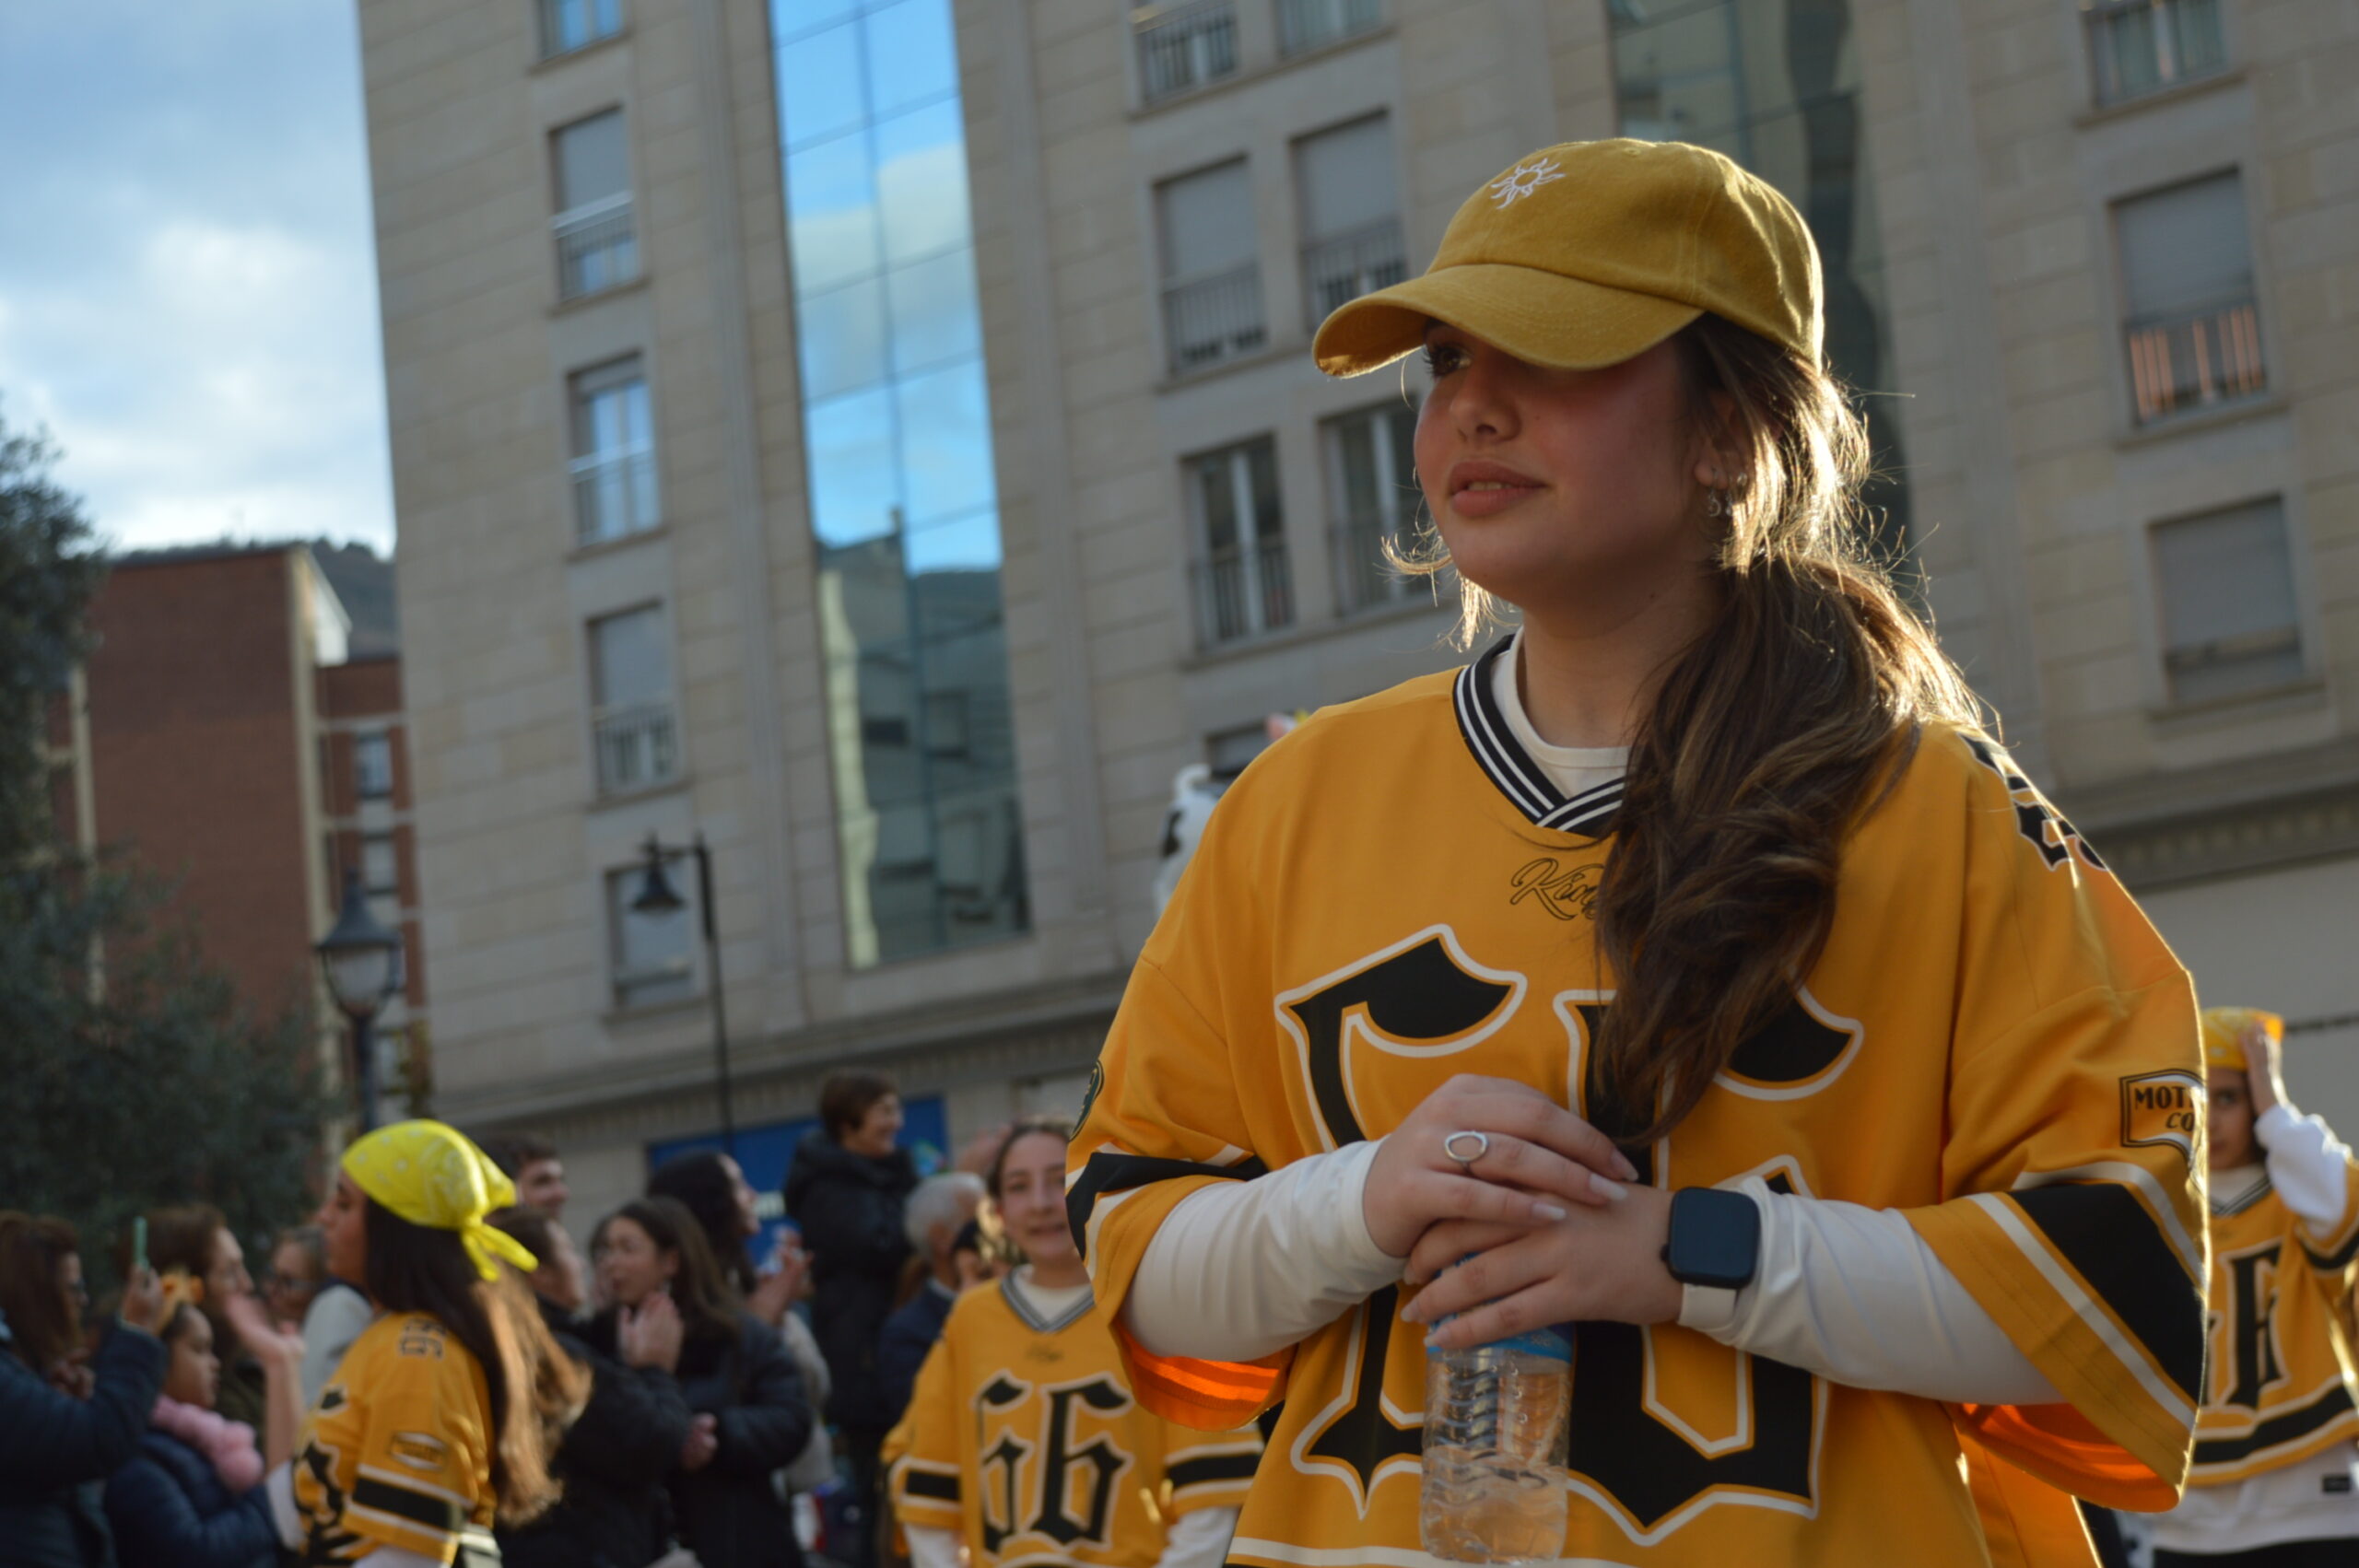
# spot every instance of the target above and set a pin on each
(1539, 1228)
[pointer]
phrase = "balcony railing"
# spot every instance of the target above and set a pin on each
(1183, 47)
(1306, 24)
(568, 25)
(614, 494)
(1213, 319)
(2142, 46)
(1341, 269)
(1364, 578)
(597, 246)
(1244, 591)
(2203, 357)
(639, 747)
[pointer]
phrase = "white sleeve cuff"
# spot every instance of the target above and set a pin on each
(1239, 1270)
(930, 1547)
(1199, 1539)
(2308, 1166)
(280, 1487)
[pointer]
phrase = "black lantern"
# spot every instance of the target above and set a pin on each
(362, 961)
(658, 897)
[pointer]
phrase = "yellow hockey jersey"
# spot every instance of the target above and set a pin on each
(1995, 1042)
(2281, 1368)
(1023, 1436)
(396, 1452)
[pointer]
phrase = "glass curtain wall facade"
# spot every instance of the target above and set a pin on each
(904, 506)
(1775, 85)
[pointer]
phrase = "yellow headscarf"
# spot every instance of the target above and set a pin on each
(2223, 1034)
(430, 1174)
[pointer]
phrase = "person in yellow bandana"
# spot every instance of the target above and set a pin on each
(2274, 1473)
(444, 1413)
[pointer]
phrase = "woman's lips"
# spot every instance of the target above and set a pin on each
(1488, 498)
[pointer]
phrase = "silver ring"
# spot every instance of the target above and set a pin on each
(1481, 1147)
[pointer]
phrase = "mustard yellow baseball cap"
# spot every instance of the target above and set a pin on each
(2223, 1034)
(1585, 254)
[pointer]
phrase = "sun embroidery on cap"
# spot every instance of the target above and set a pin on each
(1522, 180)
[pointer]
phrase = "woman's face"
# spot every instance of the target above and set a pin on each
(344, 1231)
(226, 1275)
(2227, 1119)
(741, 1193)
(631, 1265)
(877, 1129)
(1570, 490)
(1032, 1197)
(194, 1375)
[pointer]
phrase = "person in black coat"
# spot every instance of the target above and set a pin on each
(749, 1414)
(193, 1496)
(617, 1458)
(846, 1190)
(55, 1446)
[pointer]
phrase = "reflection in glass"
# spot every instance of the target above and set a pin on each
(841, 337)
(1775, 85)
(831, 208)
(912, 54)
(897, 426)
(824, 69)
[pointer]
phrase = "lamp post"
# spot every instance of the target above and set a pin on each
(657, 897)
(362, 961)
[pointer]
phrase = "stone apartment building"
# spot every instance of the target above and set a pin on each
(234, 734)
(879, 438)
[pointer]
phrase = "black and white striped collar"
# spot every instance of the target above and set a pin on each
(1522, 781)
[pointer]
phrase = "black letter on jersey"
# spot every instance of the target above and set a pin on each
(1417, 995)
(2040, 822)
(1105, 1462)
(2253, 1303)
(1008, 1453)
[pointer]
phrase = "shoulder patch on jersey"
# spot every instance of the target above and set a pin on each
(2040, 822)
(418, 1451)
(421, 1336)
(2163, 1107)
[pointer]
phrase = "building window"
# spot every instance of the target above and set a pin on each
(1351, 216)
(568, 25)
(896, 423)
(1186, 45)
(630, 677)
(2230, 627)
(1372, 489)
(1211, 278)
(614, 454)
(2193, 328)
(1243, 585)
(2142, 46)
(1308, 24)
(651, 955)
(597, 246)
(372, 765)
(381, 878)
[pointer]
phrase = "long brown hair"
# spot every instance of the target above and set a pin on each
(1765, 743)
(536, 1389)
(43, 1318)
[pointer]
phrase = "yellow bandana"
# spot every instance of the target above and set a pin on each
(430, 1175)
(2223, 1034)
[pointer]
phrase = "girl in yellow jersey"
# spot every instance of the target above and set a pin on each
(443, 1415)
(1694, 966)
(2274, 1471)
(1022, 1442)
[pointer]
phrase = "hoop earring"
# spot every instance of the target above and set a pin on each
(1716, 504)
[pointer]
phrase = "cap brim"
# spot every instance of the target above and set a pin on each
(1541, 317)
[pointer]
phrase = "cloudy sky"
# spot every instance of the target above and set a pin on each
(188, 294)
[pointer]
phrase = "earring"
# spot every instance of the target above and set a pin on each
(1716, 503)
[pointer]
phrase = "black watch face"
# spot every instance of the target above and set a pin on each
(1715, 1238)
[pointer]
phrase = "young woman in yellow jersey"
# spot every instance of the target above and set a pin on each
(2272, 1484)
(1692, 970)
(443, 1415)
(1021, 1443)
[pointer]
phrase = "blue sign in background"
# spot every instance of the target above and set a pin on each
(765, 1152)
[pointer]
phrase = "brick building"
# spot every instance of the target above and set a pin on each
(221, 737)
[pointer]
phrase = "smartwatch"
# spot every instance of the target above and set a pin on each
(1715, 1238)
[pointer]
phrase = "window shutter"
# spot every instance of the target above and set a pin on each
(592, 162)
(1207, 220)
(2185, 249)
(1345, 177)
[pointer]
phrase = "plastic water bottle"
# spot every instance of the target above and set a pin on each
(1496, 1419)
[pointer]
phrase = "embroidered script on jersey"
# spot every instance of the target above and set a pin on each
(1023, 1436)
(1995, 1042)
(2281, 1371)
(394, 1454)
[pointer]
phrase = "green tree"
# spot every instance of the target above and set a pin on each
(130, 1074)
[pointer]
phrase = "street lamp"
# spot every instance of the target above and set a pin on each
(657, 897)
(362, 961)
